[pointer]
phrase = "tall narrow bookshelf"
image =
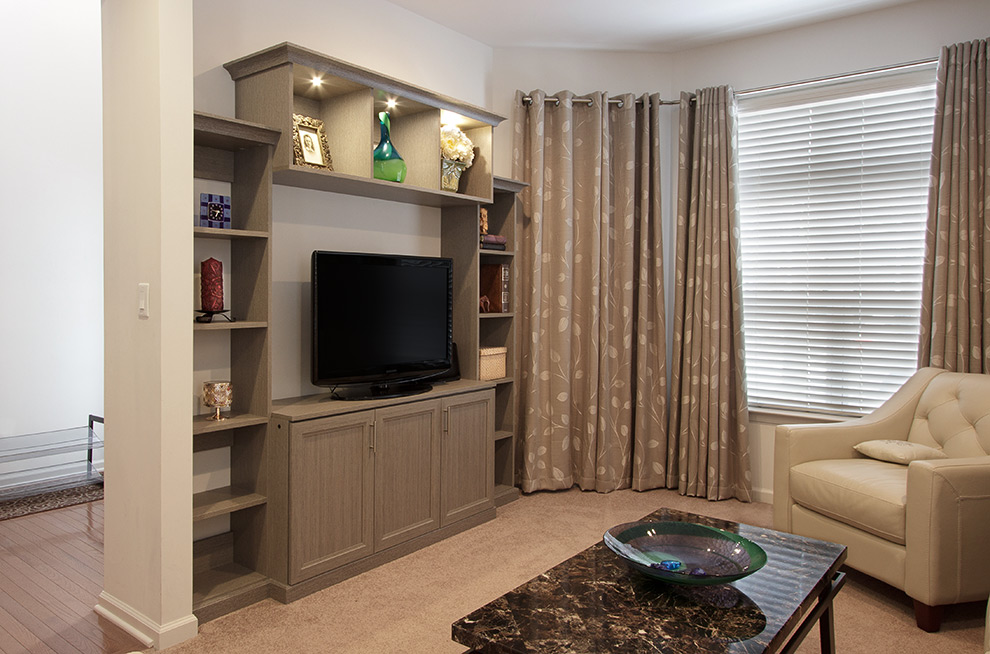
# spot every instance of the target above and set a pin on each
(499, 330)
(227, 568)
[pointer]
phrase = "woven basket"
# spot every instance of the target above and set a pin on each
(492, 363)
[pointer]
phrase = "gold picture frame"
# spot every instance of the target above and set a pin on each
(309, 143)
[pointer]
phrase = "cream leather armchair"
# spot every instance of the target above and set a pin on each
(923, 527)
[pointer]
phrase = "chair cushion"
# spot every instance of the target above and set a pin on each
(863, 493)
(894, 451)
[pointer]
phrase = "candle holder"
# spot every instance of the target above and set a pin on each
(217, 395)
(211, 291)
(208, 315)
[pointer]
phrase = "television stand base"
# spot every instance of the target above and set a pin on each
(380, 391)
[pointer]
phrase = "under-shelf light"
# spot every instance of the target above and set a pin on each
(451, 118)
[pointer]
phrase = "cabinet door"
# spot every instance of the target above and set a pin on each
(330, 493)
(468, 453)
(407, 472)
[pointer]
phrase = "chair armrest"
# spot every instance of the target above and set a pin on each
(947, 531)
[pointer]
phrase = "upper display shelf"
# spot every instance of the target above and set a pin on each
(328, 112)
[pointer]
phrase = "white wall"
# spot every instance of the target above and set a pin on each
(900, 34)
(51, 206)
(374, 34)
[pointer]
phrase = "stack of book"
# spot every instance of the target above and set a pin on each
(492, 242)
(495, 287)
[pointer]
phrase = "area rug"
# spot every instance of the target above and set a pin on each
(45, 497)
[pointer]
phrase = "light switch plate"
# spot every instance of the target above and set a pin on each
(144, 299)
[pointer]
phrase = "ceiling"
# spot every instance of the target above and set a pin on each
(638, 25)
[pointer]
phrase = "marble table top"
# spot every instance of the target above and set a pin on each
(594, 603)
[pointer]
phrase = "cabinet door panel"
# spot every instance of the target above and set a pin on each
(407, 472)
(331, 494)
(468, 452)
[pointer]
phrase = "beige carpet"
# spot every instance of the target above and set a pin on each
(408, 605)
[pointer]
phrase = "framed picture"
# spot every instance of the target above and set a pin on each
(309, 143)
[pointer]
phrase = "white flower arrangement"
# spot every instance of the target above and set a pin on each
(455, 145)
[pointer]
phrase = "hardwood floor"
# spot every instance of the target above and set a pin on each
(51, 572)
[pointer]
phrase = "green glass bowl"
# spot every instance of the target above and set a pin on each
(685, 552)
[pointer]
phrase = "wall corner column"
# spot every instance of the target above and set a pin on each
(148, 170)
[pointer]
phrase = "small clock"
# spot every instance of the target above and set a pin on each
(214, 211)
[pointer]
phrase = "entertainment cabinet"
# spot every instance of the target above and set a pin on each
(366, 477)
(322, 490)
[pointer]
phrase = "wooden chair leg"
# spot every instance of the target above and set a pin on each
(928, 618)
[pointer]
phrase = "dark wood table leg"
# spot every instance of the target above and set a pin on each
(822, 614)
(826, 628)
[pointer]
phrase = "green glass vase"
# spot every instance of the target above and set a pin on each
(388, 164)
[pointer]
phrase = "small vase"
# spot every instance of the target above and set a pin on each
(388, 164)
(450, 174)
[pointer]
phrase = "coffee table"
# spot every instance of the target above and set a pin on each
(593, 602)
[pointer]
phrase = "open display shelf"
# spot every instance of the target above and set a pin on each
(221, 324)
(202, 425)
(276, 83)
(500, 330)
(213, 232)
(239, 153)
(223, 501)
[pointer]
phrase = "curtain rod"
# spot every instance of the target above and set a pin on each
(556, 101)
(831, 78)
(764, 89)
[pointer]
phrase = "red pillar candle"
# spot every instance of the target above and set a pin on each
(211, 285)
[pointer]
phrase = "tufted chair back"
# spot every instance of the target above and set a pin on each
(953, 413)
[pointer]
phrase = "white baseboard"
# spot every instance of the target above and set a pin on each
(764, 495)
(146, 630)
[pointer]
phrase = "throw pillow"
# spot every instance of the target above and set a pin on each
(895, 451)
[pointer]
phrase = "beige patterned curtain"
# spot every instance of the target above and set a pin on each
(593, 383)
(708, 447)
(955, 309)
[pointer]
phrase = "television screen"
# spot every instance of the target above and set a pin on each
(380, 320)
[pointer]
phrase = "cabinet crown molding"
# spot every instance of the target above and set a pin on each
(290, 53)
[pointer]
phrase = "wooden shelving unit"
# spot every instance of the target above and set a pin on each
(255, 151)
(277, 82)
(499, 330)
(226, 567)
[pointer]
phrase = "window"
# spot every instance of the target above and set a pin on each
(833, 188)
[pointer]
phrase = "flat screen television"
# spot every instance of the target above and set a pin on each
(382, 324)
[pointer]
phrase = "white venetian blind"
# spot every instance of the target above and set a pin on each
(833, 182)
